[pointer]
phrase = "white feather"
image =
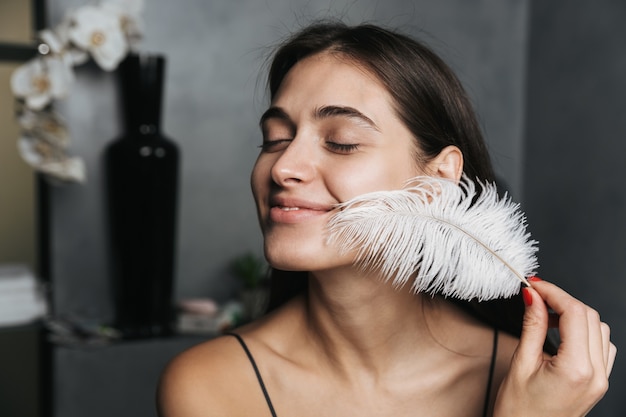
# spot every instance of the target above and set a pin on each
(433, 233)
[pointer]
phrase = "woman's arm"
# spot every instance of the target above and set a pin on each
(569, 383)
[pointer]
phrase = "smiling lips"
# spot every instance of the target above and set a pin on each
(295, 211)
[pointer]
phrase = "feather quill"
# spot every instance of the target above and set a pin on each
(444, 236)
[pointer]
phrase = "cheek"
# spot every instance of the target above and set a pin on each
(387, 174)
(259, 183)
(259, 177)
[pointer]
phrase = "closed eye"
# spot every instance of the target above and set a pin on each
(274, 145)
(341, 147)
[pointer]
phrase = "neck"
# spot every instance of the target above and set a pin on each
(360, 321)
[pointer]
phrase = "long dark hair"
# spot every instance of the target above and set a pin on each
(430, 101)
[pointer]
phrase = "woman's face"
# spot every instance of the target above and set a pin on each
(330, 134)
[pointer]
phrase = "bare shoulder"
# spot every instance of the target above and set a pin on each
(205, 380)
(211, 379)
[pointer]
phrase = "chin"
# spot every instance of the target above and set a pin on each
(302, 257)
(287, 259)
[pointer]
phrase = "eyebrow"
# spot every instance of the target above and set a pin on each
(323, 112)
(344, 111)
(275, 113)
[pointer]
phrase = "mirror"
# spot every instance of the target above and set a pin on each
(18, 22)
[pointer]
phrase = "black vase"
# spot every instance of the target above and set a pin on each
(142, 182)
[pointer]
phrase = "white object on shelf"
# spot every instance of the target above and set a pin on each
(21, 299)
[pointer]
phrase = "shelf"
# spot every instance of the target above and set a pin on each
(116, 380)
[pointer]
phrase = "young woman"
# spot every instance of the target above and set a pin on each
(354, 110)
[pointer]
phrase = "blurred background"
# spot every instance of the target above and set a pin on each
(547, 79)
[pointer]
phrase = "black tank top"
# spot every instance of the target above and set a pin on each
(494, 352)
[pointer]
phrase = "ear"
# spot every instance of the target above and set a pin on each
(448, 164)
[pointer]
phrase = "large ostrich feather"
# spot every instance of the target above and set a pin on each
(441, 236)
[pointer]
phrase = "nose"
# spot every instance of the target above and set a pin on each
(294, 165)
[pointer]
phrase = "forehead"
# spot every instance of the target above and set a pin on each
(332, 79)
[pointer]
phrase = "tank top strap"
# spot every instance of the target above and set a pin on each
(492, 367)
(256, 371)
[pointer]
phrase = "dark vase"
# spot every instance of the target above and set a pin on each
(142, 181)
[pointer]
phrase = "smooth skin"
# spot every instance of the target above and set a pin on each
(354, 345)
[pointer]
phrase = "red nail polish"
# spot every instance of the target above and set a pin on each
(534, 279)
(527, 297)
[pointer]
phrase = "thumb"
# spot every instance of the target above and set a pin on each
(534, 328)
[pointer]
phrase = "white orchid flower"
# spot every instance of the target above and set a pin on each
(26, 118)
(41, 80)
(43, 146)
(99, 31)
(59, 43)
(46, 125)
(129, 12)
(56, 41)
(70, 169)
(50, 160)
(105, 32)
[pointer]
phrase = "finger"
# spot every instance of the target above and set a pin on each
(573, 321)
(597, 352)
(612, 355)
(534, 330)
(609, 348)
(606, 341)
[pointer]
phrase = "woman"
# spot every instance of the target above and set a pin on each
(354, 110)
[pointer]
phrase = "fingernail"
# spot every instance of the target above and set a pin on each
(534, 279)
(527, 297)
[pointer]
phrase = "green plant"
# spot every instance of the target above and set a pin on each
(250, 269)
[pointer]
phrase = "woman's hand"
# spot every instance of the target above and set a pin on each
(569, 383)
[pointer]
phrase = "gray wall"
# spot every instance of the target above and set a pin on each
(215, 50)
(213, 100)
(574, 174)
